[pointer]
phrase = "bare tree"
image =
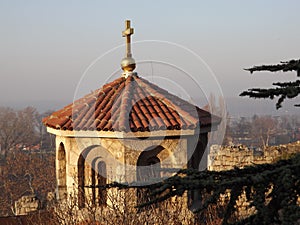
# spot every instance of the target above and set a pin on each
(46, 140)
(217, 107)
(26, 173)
(262, 129)
(16, 127)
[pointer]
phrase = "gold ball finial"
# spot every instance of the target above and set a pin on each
(128, 64)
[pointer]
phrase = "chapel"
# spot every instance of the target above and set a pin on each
(129, 130)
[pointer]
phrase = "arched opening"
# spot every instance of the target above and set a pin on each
(148, 171)
(62, 172)
(148, 168)
(92, 174)
(99, 179)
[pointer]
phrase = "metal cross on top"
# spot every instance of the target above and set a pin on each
(127, 33)
(128, 63)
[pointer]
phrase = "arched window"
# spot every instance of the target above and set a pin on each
(99, 179)
(92, 173)
(148, 168)
(61, 173)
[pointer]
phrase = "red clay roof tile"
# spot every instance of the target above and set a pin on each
(130, 104)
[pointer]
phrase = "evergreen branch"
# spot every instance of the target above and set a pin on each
(210, 180)
(283, 177)
(285, 90)
(291, 65)
(288, 84)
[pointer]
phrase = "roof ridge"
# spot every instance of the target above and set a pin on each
(123, 122)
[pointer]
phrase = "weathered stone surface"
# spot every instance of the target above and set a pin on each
(26, 204)
(226, 158)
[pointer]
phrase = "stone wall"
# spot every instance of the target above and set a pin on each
(229, 157)
(226, 158)
(26, 204)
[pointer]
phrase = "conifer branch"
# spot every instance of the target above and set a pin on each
(291, 65)
(283, 177)
(283, 90)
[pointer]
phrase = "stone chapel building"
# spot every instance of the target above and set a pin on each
(129, 130)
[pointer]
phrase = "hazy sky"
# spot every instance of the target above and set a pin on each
(47, 45)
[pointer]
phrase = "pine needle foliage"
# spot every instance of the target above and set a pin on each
(281, 90)
(283, 177)
(291, 65)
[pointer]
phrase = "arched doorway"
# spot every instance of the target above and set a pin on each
(62, 172)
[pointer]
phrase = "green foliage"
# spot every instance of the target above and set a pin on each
(283, 177)
(291, 65)
(282, 90)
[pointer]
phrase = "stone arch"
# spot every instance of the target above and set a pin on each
(82, 169)
(62, 171)
(92, 173)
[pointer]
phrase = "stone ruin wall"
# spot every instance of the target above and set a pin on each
(229, 157)
(26, 204)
